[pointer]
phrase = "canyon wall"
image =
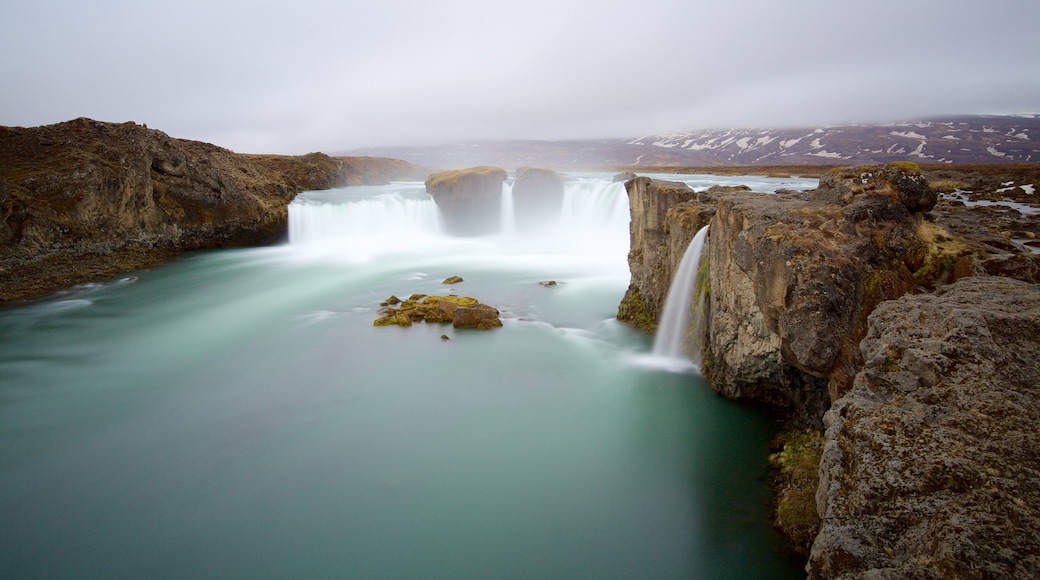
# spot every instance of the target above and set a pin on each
(875, 303)
(85, 199)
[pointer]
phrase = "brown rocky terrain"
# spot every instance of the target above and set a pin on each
(930, 468)
(793, 279)
(85, 199)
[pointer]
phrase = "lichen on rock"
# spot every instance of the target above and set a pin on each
(930, 467)
(460, 311)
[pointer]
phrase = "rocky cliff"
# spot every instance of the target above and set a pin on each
(85, 199)
(658, 236)
(805, 292)
(470, 200)
(537, 199)
(931, 468)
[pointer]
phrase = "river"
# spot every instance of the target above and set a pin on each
(235, 413)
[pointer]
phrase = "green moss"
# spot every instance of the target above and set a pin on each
(703, 289)
(633, 311)
(906, 167)
(798, 466)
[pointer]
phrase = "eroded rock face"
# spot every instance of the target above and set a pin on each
(470, 200)
(656, 245)
(86, 199)
(537, 199)
(801, 272)
(931, 468)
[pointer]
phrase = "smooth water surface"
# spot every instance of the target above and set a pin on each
(235, 414)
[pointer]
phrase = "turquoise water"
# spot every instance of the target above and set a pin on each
(236, 414)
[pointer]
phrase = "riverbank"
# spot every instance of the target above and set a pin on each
(84, 199)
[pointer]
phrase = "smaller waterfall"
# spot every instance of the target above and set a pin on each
(679, 315)
(508, 211)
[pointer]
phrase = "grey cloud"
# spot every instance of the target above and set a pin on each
(313, 75)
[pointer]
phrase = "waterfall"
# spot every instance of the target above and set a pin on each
(359, 223)
(508, 211)
(363, 222)
(679, 314)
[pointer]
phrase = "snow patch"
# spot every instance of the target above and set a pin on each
(827, 154)
(993, 151)
(951, 137)
(908, 134)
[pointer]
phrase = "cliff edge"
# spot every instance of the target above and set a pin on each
(930, 467)
(86, 199)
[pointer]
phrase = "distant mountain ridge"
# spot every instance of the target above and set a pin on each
(962, 139)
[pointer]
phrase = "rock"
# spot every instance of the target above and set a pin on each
(549, 283)
(479, 316)
(901, 181)
(537, 199)
(453, 280)
(461, 311)
(797, 276)
(470, 200)
(445, 337)
(83, 199)
(627, 176)
(930, 467)
(658, 240)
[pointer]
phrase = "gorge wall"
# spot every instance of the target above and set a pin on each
(798, 282)
(85, 199)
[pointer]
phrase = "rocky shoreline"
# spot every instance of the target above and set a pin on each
(881, 305)
(84, 199)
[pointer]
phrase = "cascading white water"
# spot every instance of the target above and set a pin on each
(508, 211)
(679, 315)
(358, 223)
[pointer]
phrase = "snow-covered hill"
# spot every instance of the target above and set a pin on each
(955, 140)
(966, 139)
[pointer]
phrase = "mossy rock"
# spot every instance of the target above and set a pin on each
(453, 280)
(440, 309)
(797, 466)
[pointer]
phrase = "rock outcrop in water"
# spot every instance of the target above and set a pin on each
(85, 199)
(931, 467)
(460, 311)
(824, 296)
(537, 199)
(470, 200)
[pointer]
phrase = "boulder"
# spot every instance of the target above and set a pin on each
(537, 199)
(470, 200)
(930, 467)
(479, 316)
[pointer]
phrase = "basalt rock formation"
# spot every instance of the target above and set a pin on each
(874, 294)
(798, 274)
(930, 467)
(658, 239)
(470, 200)
(85, 199)
(537, 199)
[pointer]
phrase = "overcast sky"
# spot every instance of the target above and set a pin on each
(305, 75)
